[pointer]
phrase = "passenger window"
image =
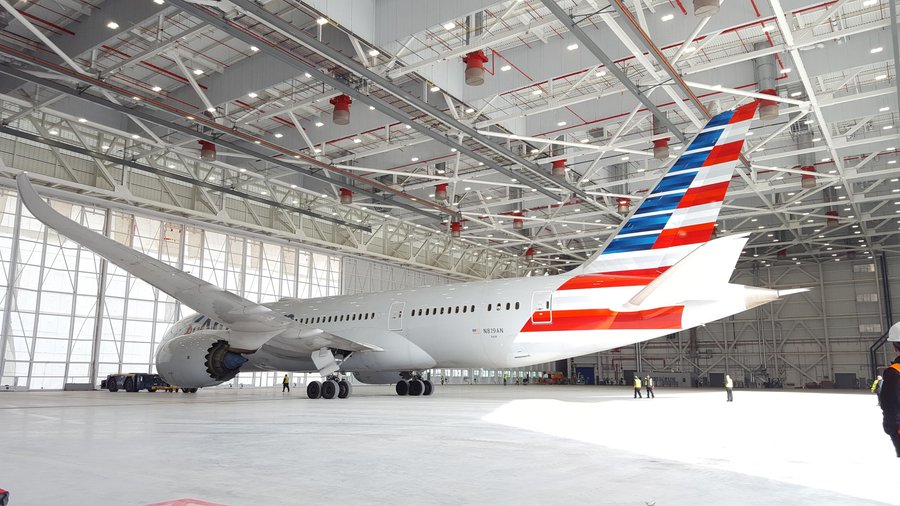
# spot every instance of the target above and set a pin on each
(442, 310)
(464, 308)
(507, 306)
(489, 307)
(456, 310)
(517, 305)
(473, 308)
(427, 312)
(499, 306)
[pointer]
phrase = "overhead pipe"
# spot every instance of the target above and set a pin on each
(765, 69)
(706, 8)
(660, 146)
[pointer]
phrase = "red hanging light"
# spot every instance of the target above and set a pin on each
(518, 222)
(207, 151)
(475, 67)
(559, 167)
(529, 254)
(455, 229)
(341, 114)
(623, 206)
(768, 109)
(346, 196)
(440, 191)
(808, 180)
(832, 220)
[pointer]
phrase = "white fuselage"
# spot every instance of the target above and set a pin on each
(490, 324)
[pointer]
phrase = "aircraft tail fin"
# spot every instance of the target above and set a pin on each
(680, 212)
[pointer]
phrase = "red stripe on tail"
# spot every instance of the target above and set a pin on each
(704, 195)
(724, 153)
(691, 234)
(607, 319)
(637, 277)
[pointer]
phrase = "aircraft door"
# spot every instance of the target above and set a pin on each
(541, 310)
(395, 316)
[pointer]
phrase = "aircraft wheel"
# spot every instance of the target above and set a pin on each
(344, 389)
(429, 388)
(402, 387)
(314, 390)
(186, 390)
(416, 387)
(193, 390)
(329, 389)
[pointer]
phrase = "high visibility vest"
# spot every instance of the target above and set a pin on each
(650, 382)
(729, 383)
(286, 380)
(637, 382)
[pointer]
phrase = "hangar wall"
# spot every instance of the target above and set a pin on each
(802, 339)
(69, 317)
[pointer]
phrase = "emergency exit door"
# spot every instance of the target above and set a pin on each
(395, 316)
(541, 310)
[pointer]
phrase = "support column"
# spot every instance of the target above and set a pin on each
(11, 286)
(94, 367)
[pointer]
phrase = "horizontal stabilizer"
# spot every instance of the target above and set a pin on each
(697, 276)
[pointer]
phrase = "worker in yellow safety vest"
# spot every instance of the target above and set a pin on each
(286, 384)
(889, 398)
(876, 385)
(637, 387)
(729, 387)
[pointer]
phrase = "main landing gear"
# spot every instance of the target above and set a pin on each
(414, 385)
(333, 386)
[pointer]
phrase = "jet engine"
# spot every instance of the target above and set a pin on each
(200, 359)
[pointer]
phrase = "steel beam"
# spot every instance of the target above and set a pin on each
(592, 46)
(173, 175)
(140, 113)
(286, 29)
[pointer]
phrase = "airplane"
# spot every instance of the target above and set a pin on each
(660, 273)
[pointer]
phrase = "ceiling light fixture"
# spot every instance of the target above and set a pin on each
(876, 50)
(561, 123)
(254, 49)
(319, 124)
(112, 25)
(156, 89)
(321, 21)
(881, 77)
(884, 109)
(414, 159)
(572, 47)
(252, 94)
(198, 72)
(668, 17)
(449, 25)
(374, 52)
(279, 135)
(435, 89)
(536, 92)
(505, 68)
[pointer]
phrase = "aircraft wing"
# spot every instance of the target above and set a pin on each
(252, 324)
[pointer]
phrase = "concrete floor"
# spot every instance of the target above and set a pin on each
(465, 445)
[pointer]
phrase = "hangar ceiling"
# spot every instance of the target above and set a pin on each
(527, 173)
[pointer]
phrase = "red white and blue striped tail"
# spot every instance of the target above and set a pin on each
(679, 214)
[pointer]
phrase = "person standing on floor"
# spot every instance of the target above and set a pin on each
(876, 385)
(729, 387)
(637, 387)
(889, 398)
(286, 384)
(648, 384)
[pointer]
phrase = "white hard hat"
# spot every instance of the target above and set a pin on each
(894, 333)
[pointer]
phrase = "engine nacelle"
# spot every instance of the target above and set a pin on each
(200, 359)
(378, 378)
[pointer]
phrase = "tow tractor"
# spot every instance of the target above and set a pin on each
(137, 381)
